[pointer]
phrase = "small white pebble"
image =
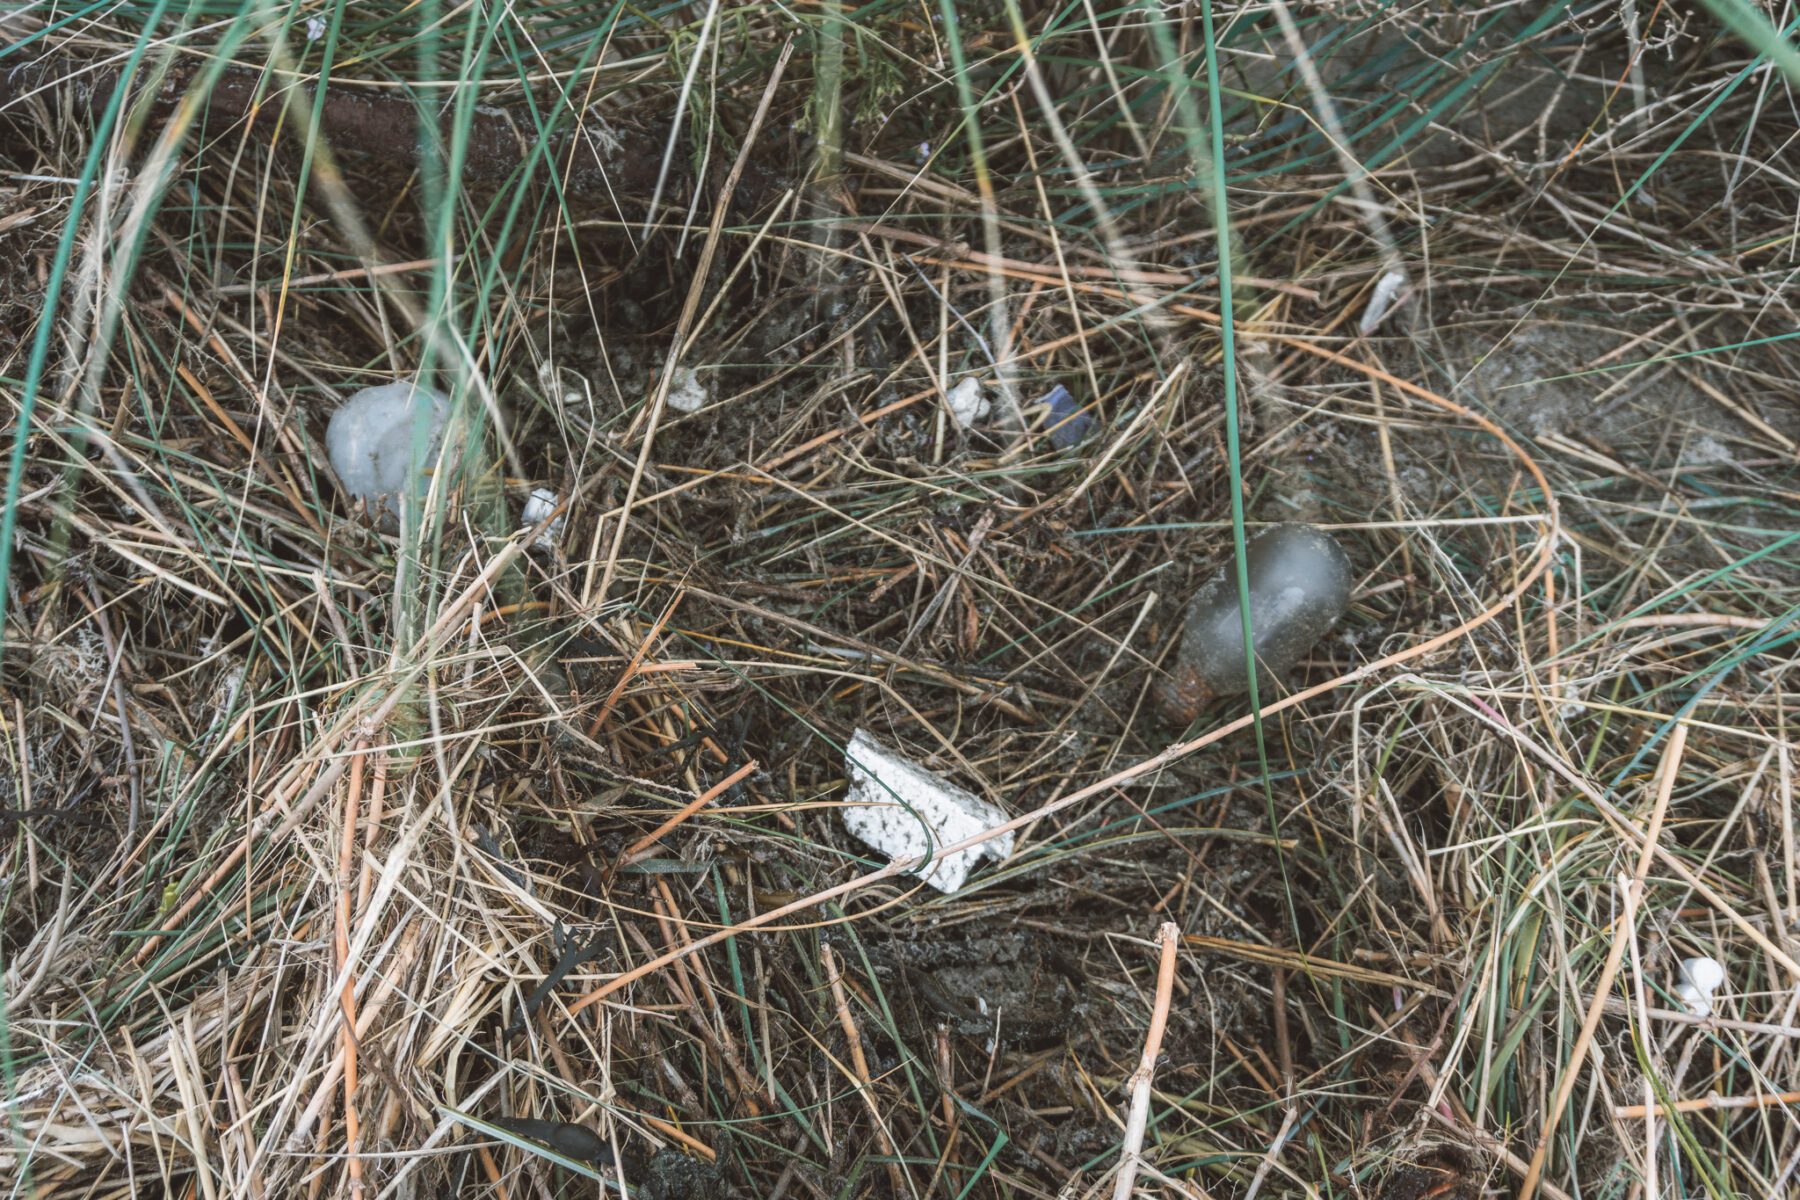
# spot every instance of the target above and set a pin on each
(968, 404)
(540, 504)
(686, 393)
(1700, 978)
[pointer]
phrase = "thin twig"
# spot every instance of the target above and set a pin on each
(347, 994)
(1632, 1112)
(898, 1180)
(642, 847)
(652, 414)
(1168, 937)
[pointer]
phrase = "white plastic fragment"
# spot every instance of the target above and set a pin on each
(540, 504)
(904, 811)
(1700, 978)
(686, 393)
(371, 439)
(968, 404)
(1380, 300)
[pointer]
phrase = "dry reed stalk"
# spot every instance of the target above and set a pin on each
(1131, 1149)
(898, 1180)
(346, 874)
(642, 848)
(1632, 1112)
(1571, 1070)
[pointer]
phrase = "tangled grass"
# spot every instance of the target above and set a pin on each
(338, 857)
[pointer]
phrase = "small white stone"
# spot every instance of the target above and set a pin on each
(540, 504)
(371, 439)
(1700, 978)
(686, 393)
(905, 811)
(967, 402)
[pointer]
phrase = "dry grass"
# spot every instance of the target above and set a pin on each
(299, 815)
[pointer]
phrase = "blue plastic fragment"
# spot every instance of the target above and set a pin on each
(1068, 423)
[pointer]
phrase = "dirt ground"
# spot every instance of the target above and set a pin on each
(274, 774)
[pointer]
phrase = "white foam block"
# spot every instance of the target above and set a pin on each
(904, 811)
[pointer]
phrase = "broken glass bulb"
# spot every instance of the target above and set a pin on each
(1299, 586)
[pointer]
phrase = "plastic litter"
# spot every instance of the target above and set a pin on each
(1069, 424)
(903, 810)
(371, 440)
(1299, 586)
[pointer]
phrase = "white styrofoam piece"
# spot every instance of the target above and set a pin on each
(686, 393)
(904, 811)
(967, 402)
(370, 442)
(540, 504)
(1700, 978)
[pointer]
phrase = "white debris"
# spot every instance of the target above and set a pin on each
(1571, 707)
(540, 504)
(372, 438)
(225, 693)
(686, 393)
(556, 387)
(1380, 300)
(904, 811)
(1706, 451)
(601, 138)
(968, 404)
(1700, 978)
